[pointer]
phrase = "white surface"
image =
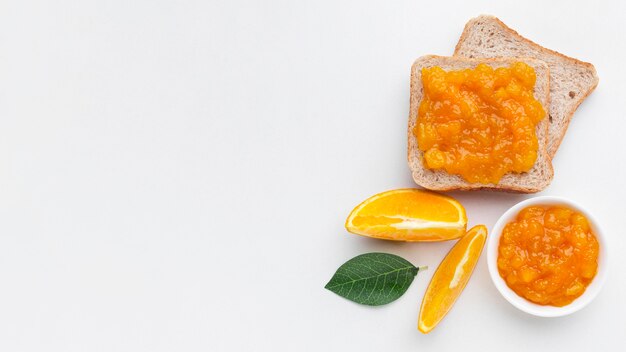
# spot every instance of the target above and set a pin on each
(591, 292)
(175, 175)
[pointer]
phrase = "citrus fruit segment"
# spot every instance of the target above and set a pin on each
(450, 278)
(408, 215)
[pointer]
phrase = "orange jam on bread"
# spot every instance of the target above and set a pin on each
(479, 123)
(548, 255)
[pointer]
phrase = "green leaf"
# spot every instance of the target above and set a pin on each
(373, 279)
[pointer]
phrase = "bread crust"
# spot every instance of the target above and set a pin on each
(468, 25)
(556, 137)
(439, 180)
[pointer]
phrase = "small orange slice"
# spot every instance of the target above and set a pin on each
(408, 215)
(450, 278)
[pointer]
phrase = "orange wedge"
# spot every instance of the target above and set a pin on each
(408, 215)
(450, 278)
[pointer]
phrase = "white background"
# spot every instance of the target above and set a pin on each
(175, 175)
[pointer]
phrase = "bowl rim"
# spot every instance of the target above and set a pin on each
(521, 303)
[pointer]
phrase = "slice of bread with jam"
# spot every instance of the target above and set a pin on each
(534, 180)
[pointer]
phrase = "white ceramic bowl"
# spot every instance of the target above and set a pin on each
(521, 303)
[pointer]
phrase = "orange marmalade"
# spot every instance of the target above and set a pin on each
(548, 255)
(479, 123)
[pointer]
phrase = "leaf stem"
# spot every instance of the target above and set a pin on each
(420, 268)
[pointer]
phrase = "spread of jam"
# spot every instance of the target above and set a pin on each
(479, 123)
(548, 255)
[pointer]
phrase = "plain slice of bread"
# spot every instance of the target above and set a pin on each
(571, 80)
(535, 180)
